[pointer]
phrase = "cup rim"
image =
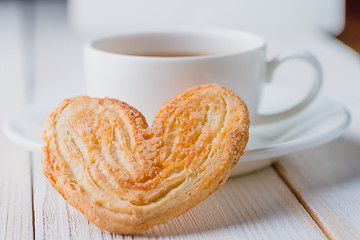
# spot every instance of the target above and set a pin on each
(89, 45)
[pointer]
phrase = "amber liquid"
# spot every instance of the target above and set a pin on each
(169, 54)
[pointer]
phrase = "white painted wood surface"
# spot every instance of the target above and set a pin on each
(255, 206)
(327, 182)
(43, 63)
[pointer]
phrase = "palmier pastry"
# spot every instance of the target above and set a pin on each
(126, 177)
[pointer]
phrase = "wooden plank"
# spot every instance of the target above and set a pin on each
(255, 206)
(15, 168)
(15, 188)
(327, 181)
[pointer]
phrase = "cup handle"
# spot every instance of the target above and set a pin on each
(273, 64)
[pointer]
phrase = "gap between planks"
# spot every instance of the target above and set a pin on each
(279, 169)
(32, 192)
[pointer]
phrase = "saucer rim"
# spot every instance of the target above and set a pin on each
(303, 143)
(254, 154)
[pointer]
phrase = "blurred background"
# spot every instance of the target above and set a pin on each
(41, 41)
(351, 32)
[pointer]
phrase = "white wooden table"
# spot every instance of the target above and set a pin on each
(313, 194)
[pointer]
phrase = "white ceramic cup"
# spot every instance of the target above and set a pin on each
(231, 58)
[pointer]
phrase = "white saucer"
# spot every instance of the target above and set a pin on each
(323, 121)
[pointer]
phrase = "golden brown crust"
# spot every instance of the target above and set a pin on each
(126, 177)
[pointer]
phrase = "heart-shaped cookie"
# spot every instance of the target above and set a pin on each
(124, 176)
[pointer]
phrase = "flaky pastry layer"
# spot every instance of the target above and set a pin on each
(124, 176)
